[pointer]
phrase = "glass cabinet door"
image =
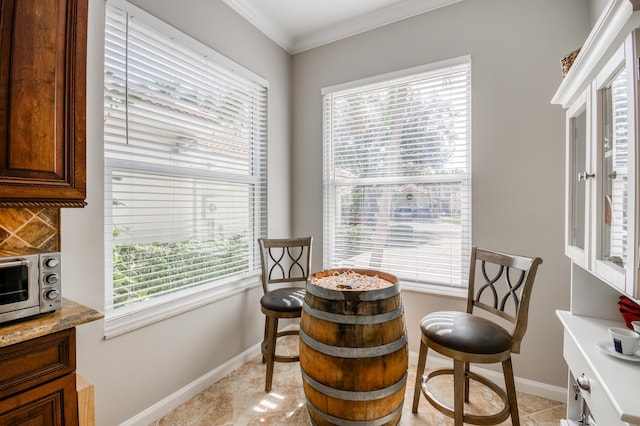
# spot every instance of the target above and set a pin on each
(578, 180)
(578, 209)
(614, 219)
(614, 180)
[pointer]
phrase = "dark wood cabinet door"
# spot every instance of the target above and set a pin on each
(37, 361)
(43, 102)
(52, 404)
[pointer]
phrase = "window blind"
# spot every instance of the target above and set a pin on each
(397, 174)
(185, 163)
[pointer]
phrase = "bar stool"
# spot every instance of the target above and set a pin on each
(469, 338)
(284, 261)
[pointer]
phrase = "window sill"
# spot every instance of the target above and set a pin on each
(139, 318)
(436, 290)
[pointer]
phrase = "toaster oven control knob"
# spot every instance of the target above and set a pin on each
(51, 262)
(51, 278)
(51, 294)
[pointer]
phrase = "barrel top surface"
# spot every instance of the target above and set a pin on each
(353, 284)
(353, 279)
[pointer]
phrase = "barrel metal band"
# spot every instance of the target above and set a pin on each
(343, 422)
(354, 395)
(354, 319)
(364, 296)
(346, 352)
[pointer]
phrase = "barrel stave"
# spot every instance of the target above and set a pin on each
(353, 335)
(353, 410)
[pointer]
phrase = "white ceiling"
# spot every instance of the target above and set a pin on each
(299, 25)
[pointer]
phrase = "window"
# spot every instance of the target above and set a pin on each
(185, 165)
(397, 174)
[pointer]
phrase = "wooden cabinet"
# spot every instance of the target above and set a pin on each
(602, 215)
(38, 381)
(43, 47)
(51, 404)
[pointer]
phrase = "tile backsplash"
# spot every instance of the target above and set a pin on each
(30, 227)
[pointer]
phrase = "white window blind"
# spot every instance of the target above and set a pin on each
(397, 174)
(185, 163)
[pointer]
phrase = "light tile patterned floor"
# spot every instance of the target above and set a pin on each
(239, 399)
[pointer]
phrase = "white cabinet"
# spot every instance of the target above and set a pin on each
(602, 214)
(608, 386)
(601, 211)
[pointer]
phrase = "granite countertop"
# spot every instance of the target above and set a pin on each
(71, 315)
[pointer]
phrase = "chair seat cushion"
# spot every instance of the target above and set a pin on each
(464, 332)
(287, 299)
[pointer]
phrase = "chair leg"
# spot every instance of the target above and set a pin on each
(466, 382)
(264, 336)
(272, 330)
(458, 391)
(511, 391)
(422, 359)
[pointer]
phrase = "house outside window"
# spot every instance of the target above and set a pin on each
(185, 170)
(397, 174)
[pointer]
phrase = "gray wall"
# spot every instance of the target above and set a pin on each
(517, 139)
(136, 370)
(596, 7)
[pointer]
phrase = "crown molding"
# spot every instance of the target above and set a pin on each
(367, 22)
(262, 22)
(348, 28)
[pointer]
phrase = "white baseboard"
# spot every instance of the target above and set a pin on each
(168, 404)
(543, 390)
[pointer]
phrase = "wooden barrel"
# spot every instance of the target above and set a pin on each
(353, 352)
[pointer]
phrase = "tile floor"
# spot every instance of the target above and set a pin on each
(239, 400)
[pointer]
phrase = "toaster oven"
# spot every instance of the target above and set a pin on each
(30, 284)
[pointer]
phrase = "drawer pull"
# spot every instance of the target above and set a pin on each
(583, 383)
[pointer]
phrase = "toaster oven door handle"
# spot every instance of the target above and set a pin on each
(22, 262)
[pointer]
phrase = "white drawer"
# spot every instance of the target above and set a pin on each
(601, 407)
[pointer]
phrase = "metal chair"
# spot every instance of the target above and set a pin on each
(284, 261)
(469, 338)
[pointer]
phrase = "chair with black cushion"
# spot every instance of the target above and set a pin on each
(284, 262)
(468, 338)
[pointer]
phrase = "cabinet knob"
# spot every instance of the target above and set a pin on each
(584, 176)
(583, 383)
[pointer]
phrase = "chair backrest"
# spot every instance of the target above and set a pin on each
(505, 289)
(285, 260)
